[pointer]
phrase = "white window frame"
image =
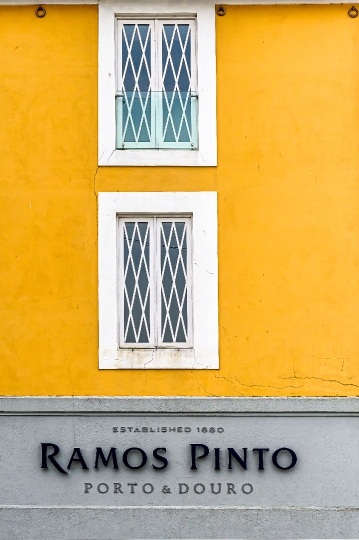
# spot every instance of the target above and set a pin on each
(204, 13)
(202, 207)
(155, 282)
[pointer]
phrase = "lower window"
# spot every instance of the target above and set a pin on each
(158, 281)
(155, 281)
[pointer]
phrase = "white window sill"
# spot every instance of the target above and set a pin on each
(157, 359)
(151, 158)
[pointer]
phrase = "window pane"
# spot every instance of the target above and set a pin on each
(136, 241)
(174, 324)
(176, 57)
(136, 118)
(176, 82)
(136, 77)
(177, 122)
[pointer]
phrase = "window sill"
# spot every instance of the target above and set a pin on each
(160, 158)
(157, 359)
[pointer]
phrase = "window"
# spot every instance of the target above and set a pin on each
(155, 281)
(156, 98)
(157, 83)
(158, 281)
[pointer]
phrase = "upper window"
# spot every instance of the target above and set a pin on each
(156, 98)
(157, 83)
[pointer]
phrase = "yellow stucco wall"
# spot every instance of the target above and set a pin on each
(288, 189)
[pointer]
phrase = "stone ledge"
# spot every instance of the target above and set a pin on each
(179, 405)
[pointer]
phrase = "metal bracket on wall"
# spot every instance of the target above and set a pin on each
(221, 11)
(353, 12)
(40, 12)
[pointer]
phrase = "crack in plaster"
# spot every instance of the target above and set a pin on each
(110, 156)
(101, 156)
(231, 383)
(323, 380)
(126, 362)
(231, 380)
(205, 269)
(94, 182)
(252, 385)
(201, 385)
(69, 374)
(149, 361)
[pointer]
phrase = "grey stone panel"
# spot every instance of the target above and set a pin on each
(319, 498)
(177, 523)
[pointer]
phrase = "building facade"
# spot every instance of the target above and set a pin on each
(179, 251)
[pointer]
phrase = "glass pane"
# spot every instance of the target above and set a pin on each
(177, 119)
(174, 325)
(136, 120)
(136, 240)
(176, 57)
(136, 77)
(176, 83)
(136, 57)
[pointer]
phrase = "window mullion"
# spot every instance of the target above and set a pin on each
(157, 78)
(160, 85)
(153, 84)
(157, 33)
(152, 240)
(157, 283)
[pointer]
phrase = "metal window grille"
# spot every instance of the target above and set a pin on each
(156, 99)
(155, 277)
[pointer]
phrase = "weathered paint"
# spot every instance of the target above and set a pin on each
(287, 181)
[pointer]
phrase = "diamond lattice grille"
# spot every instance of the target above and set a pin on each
(174, 324)
(136, 77)
(176, 82)
(136, 241)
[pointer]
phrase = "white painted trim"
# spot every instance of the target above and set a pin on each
(202, 206)
(206, 155)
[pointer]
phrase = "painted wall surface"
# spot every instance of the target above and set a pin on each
(288, 191)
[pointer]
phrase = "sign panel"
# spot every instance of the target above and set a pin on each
(158, 459)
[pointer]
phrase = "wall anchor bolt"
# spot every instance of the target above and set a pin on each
(40, 12)
(221, 11)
